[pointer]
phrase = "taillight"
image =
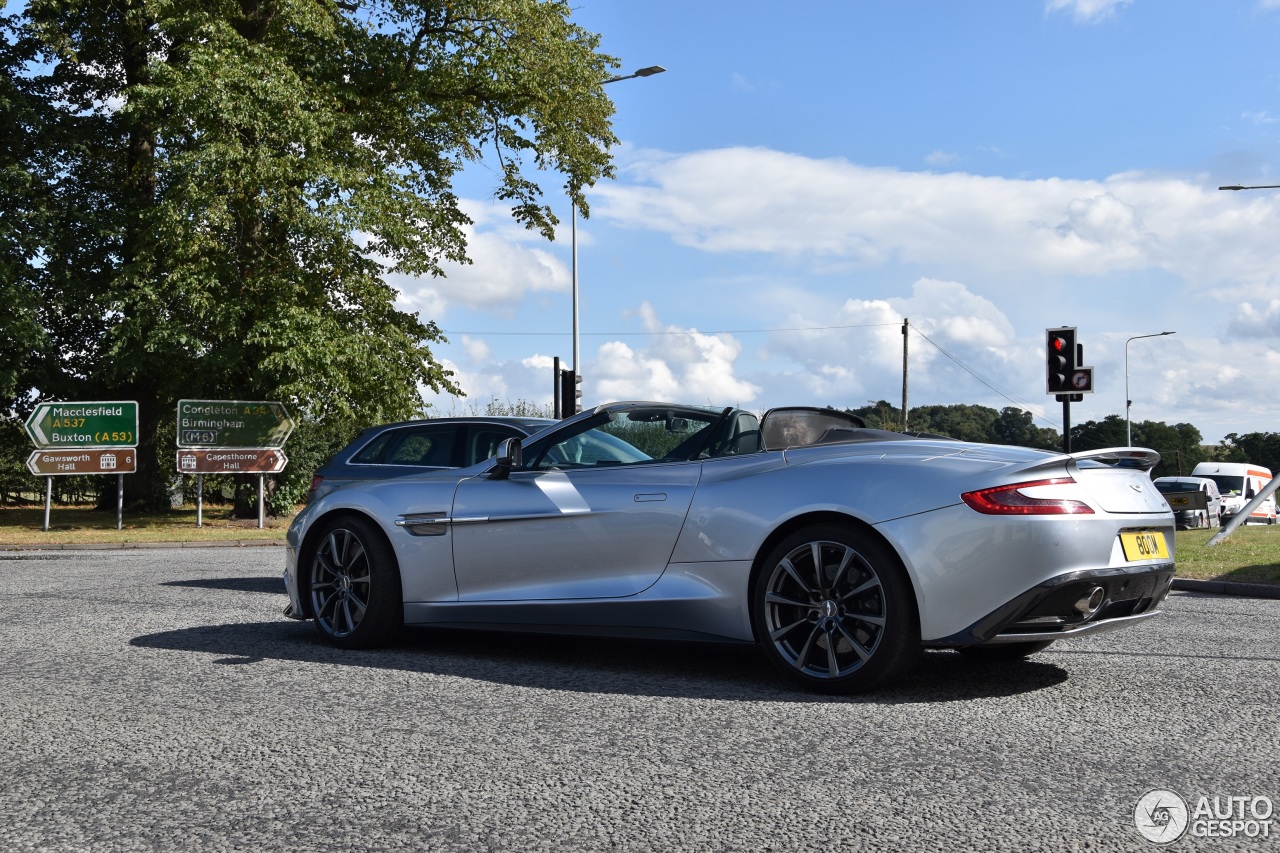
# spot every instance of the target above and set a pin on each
(1013, 500)
(316, 480)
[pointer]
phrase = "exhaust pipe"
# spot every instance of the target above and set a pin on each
(1091, 602)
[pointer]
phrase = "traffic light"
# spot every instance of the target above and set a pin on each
(570, 393)
(1060, 359)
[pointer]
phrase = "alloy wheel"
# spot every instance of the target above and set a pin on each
(824, 609)
(340, 583)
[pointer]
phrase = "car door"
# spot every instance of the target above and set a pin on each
(598, 532)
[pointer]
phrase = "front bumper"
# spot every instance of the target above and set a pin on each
(1047, 611)
(294, 610)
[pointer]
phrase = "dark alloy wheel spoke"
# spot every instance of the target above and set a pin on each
(341, 580)
(844, 613)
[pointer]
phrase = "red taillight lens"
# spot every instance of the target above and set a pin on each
(1011, 500)
(316, 480)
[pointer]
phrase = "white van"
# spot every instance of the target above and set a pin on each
(1239, 483)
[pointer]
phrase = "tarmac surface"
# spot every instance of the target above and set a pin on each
(155, 699)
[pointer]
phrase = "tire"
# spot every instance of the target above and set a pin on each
(834, 611)
(1005, 651)
(353, 588)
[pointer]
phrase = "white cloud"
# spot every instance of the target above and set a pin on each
(504, 269)
(1087, 11)
(941, 158)
(860, 359)
(679, 364)
(754, 201)
(1251, 322)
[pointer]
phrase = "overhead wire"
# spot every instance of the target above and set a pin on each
(1002, 392)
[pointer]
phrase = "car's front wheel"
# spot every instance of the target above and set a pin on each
(354, 585)
(834, 610)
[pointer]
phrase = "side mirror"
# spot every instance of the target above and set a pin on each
(510, 455)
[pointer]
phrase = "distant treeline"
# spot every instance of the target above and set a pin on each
(1179, 445)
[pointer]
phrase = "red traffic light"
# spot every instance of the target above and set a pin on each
(1057, 343)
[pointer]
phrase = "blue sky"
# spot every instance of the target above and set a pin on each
(797, 183)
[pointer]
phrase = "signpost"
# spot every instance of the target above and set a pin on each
(252, 460)
(84, 425)
(232, 423)
(52, 463)
(84, 438)
(231, 437)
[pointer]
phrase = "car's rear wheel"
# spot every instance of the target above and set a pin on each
(1006, 651)
(354, 585)
(834, 610)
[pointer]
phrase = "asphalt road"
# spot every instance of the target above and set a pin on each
(156, 700)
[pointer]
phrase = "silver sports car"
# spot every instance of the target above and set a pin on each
(840, 550)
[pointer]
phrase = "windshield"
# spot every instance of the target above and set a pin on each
(1227, 482)
(651, 434)
(1176, 486)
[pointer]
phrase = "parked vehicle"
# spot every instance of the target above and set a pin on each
(840, 550)
(1180, 492)
(1239, 483)
(400, 449)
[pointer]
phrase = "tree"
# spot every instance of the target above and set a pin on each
(967, 423)
(1096, 435)
(1017, 426)
(226, 184)
(1260, 448)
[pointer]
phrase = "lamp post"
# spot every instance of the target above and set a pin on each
(1128, 431)
(1238, 187)
(573, 227)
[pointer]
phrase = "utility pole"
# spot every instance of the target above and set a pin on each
(906, 324)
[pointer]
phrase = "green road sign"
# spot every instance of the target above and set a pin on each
(84, 425)
(232, 423)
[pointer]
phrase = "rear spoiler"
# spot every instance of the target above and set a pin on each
(1139, 458)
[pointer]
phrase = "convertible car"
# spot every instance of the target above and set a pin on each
(840, 550)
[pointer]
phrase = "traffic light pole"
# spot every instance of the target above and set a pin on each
(1066, 422)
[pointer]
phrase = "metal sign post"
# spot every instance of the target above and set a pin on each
(232, 437)
(84, 438)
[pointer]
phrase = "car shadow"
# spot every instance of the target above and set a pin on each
(251, 584)
(602, 665)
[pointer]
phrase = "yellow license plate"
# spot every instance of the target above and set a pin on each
(1179, 501)
(1144, 545)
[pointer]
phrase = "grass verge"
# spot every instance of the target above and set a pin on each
(1250, 555)
(84, 526)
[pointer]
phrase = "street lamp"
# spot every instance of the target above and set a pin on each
(1128, 433)
(573, 220)
(1238, 187)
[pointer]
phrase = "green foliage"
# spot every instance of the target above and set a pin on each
(652, 439)
(1017, 427)
(965, 422)
(968, 423)
(1178, 445)
(202, 199)
(1260, 448)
